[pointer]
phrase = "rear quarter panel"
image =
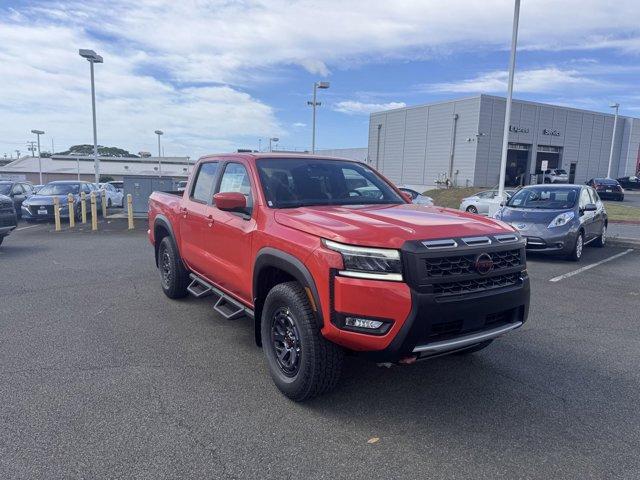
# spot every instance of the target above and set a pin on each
(168, 206)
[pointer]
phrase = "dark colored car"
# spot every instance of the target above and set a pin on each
(607, 188)
(40, 205)
(559, 219)
(630, 183)
(8, 219)
(17, 191)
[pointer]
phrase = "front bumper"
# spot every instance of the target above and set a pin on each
(32, 212)
(540, 238)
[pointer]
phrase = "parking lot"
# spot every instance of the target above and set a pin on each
(102, 376)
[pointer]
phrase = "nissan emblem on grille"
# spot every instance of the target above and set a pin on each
(483, 263)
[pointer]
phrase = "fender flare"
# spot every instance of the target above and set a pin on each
(271, 257)
(163, 221)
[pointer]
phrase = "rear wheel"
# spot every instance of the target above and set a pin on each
(301, 362)
(472, 209)
(576, 253)
(174, 277)
(477, 347)
(602, 239)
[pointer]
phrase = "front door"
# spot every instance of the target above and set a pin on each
(586, 218)
(229, 240)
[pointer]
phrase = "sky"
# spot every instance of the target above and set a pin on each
(217, 75)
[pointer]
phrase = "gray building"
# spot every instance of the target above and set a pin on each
(462, 140)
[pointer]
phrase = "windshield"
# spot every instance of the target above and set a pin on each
(561, 172)
(59, 189)
(552, 198)
(5, 188)
(297, 182)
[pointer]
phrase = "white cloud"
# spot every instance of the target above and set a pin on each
(359, 108)
(542, 80)
(299, 125)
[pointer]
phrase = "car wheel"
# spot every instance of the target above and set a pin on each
(472, 209)
(475, 348)
(174, 276)
(301, 361)
(602, 239)
(576, 253)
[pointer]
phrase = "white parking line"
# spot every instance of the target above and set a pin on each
(24, 228)
(588, 267)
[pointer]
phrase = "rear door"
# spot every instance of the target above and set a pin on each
(194, 221)
(228, 238)
(598, 218)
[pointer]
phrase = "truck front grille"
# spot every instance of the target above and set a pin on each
(476, 284)
(454, 265)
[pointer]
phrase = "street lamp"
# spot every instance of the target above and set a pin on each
(272, 139)
(92, 57)
(159, 132)
(616, 106)
(507, 113)
(314, 104)
(38, 133)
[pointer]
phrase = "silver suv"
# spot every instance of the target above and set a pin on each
(555, 175)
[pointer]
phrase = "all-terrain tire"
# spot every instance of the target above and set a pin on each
(319, 362)
(174, 277)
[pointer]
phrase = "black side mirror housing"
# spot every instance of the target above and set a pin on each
(590, 207)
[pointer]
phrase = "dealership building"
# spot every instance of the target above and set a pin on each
(461, 140)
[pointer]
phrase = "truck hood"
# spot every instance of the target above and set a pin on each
(387, 225)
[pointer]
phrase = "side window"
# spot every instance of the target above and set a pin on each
(484, 195)
(357, 186)
(202, 190)
(594, 196)
(17, 189)
(236, 179)
(584, 197)
(27, 188)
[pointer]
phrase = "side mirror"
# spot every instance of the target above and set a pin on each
(230, 201)
(590, 207)
(406, 196)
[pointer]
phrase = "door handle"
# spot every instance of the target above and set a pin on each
(183, 211)
(210, 218)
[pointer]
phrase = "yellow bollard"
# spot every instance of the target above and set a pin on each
(104, 204)
(94, 212)
(130, 210)
(56, 212)
(72, 211)
(83, 206)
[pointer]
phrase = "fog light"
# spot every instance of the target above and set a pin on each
(362, 323)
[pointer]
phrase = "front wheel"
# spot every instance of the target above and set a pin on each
(576, 253)
(174, 276)
(301, 362)
(472, 209)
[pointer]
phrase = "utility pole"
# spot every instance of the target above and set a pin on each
(314, 104)
(616, 106)
(38, 133)
(507, 114)
(92, 58)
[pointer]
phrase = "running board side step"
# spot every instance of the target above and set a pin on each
(226, 306)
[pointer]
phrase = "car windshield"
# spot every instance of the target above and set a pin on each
(59, 189)
(551, 198)
(5, 188)
(297, 182)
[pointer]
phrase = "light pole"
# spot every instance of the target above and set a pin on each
(314, 104)
(92, 57)
(38, 133)
(507, 113)
(616, 106)
(272, 139)
(159, 133)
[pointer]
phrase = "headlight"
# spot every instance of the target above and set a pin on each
(365, 262)
(561, 219)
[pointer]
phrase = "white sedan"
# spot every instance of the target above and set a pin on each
(479, 203)
(417, 198)
(114, 197)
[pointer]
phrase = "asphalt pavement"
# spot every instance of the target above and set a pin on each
(102, 376)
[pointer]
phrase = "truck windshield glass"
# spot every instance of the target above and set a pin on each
(59, 189)
(298, 182)
(552, 198)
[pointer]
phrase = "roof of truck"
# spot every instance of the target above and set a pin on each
(279, 155)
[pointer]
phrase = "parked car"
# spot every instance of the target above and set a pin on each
(416, 197)
(181, 185)
(555, 175)
(321, 270)
(8, 218)
(479, 203)
(558, 219)
(630, 183)
(607, 188)
(118, 185)
(17, 191)
(40, 205)
(114, 197)
(36, 188)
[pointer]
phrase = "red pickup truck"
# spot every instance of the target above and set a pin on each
(329, 258)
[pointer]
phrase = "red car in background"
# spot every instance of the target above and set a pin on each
(607, 188)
